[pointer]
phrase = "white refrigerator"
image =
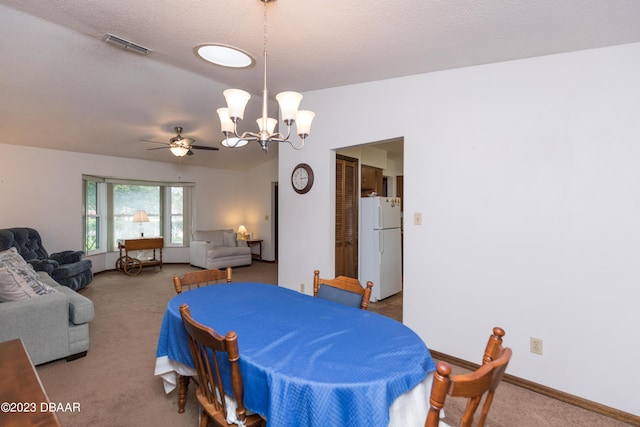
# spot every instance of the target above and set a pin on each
(380, 245)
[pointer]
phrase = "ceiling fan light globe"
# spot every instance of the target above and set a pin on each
(179, 151)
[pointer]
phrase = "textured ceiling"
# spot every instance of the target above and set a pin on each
(63, 88)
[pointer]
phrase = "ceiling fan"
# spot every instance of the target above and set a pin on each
(179, 145)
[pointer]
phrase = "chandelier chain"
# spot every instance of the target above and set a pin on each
(265, 27)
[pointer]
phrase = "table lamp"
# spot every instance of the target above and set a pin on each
(140, 216)
(242, 232)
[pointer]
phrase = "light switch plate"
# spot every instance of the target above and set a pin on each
(417, 218)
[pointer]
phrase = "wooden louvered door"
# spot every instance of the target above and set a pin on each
(347, 201)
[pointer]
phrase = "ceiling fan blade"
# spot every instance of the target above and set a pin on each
(158, 148)
(189, 153)
(205, 147)
(155, 142)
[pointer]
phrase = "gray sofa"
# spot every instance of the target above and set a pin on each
(218, 249)
(51, 326)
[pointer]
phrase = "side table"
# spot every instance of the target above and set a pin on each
(257, 242)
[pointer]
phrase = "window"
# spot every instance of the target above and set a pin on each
(176, 220)
(127, 199)
(110, 204)
(91, 217)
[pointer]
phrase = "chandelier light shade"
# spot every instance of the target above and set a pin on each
(237, 100)
(303, 120)
(271, 124)
(289, 102)
(225, 121)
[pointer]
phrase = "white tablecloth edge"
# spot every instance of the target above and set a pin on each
(410, 408)
(167, 370)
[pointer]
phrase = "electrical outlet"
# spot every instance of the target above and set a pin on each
(535, 345)
(417, 218)
(302, 287)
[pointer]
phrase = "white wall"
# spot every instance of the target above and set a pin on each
(527, 176)
(42, 189)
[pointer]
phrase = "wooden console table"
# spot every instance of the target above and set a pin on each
(24, 400)
(132, 265)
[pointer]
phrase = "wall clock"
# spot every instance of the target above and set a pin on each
(302, 178)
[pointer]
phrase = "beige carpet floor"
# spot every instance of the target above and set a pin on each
(115, 384)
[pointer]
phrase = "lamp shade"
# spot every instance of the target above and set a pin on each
(236, 101)
(271, 125)
(289, 102)
(226, 125)
(303, 122)
(140, 216)
(242, 230)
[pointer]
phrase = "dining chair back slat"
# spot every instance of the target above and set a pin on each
(474, 386)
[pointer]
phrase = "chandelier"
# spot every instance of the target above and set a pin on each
(237, 100)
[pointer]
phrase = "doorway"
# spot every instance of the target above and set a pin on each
(386, 157)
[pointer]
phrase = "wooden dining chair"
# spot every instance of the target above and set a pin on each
(343, 290)
(196, 279)
(206, 345)
(473, 386)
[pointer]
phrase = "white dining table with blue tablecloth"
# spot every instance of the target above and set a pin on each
(305, 361)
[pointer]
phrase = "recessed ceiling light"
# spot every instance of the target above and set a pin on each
(225, 56)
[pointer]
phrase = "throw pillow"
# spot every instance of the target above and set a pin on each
(11, 259)
(229, 238)
(31, 277)
(13, 286)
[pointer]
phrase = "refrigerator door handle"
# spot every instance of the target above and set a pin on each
(380, 219)
(380, 245)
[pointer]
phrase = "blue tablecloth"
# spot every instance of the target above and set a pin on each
(305, 361)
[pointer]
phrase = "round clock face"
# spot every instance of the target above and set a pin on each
(302, 178)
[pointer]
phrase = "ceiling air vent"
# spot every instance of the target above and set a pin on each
(109, 38)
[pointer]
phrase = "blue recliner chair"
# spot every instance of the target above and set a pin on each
(67, 267)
